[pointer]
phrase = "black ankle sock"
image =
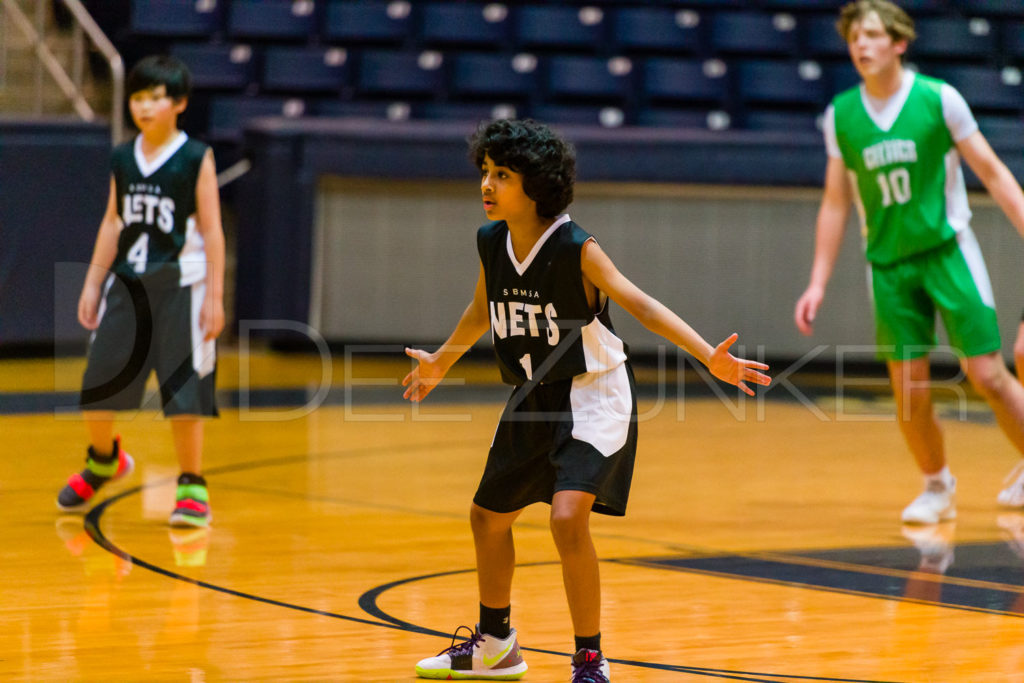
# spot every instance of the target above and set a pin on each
(588, 643)
(189, 478)
(104, 458)
(495, 622)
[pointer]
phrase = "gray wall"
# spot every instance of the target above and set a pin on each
(396, 261)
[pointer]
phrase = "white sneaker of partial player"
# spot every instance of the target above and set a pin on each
(935, 504)
(1012, 495)
(481, 656)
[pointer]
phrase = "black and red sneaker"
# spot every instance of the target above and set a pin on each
(98, 471)
(590, 666)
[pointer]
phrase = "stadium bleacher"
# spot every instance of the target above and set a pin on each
(711, 64)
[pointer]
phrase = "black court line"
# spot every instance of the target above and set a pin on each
(368, 601)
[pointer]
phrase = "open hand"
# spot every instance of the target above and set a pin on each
(427, 374)
(738, 371)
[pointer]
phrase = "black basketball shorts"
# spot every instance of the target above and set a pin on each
(144, 329)
(571, 435)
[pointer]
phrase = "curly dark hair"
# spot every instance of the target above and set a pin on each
(156, 70)
(546, 161)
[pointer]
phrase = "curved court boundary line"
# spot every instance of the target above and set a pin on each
(368, 600)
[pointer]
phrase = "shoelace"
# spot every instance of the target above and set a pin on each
(466, 647)
(588, 671)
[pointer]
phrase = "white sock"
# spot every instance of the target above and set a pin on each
(943, 477)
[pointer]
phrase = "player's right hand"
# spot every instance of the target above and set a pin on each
(807, 309)
(89, 307)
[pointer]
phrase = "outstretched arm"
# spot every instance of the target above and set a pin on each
(432, 367)
(835, 209)
(599, 270)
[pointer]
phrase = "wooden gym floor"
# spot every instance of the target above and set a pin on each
(762, 541)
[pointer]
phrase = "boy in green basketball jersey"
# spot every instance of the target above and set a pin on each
(894, 146)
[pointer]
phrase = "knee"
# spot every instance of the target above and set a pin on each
(484, 521)
(569, 528)
(988, 377)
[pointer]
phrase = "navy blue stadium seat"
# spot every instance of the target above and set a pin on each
(983, 87)
(685, 80)
(787, 82)
(830, 6)
(608, 117)
(595, 78)
(1001, 130)
(304, 69)
(229, 113)
(1000, 8)
(384, 22)
(285, 19)
(1013, 40)
(754, 33)
(658, 29)
(177, 17)
(400, 73)
(560, 27)
(953, 38)
(462, 111)
(841, 76)
(494, 74)
(718, 4)
(371, 109)
(780, 120)
(820, 38)
(917, 7)
(465, 23)
(217, 65)
(660, 117)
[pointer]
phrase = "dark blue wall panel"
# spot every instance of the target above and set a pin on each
(54, 183)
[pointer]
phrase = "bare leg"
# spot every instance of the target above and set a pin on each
(990, 378)
(570, 527)
(187, 431)
(100, 425)
(915, 414)
(495, 554)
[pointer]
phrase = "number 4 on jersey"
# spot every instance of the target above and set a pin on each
(138, 253)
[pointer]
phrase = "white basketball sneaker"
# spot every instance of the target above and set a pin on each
(935, 504)
(481, 657)
(1012, 495)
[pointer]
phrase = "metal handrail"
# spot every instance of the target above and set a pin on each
(113, 57)
(68, 86)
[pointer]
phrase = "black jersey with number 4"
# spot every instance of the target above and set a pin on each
(156, 201)
(542, 327)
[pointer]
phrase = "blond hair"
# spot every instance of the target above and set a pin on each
(898, 23)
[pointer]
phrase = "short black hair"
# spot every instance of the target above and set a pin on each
(546, 161)
(157, 70)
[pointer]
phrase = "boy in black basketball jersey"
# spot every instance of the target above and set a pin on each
(568, 434)
(153, 294)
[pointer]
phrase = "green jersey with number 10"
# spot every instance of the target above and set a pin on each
(904, 176)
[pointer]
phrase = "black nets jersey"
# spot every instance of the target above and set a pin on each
(156, 201)
(542, 327)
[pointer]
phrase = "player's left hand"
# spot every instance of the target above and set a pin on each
(733, 370)
(211, 318)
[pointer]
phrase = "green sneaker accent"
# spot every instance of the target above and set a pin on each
(193, 491)
(102, 469)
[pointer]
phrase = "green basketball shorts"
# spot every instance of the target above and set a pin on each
(950, 279)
